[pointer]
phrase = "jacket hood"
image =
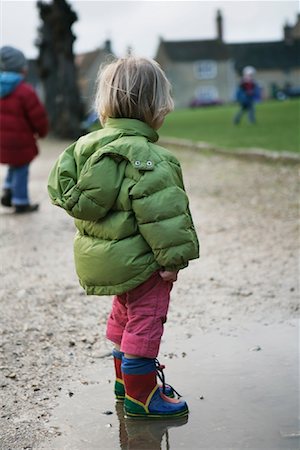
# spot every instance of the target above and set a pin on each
(87, 177)
(131, 127)
(9, 82)
(116, 138)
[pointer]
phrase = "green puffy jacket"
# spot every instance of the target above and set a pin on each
(130, 208)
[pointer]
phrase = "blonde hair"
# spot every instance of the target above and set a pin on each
(134, 88)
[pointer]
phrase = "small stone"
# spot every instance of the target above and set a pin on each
(257, 348)
(107, 413)
(11, 375)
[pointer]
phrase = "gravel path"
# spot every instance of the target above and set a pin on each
(246, 212)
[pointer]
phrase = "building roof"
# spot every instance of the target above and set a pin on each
(85, 60)
(187, 51)
(266, 55)
(261, 55)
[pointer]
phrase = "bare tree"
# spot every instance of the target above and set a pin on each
(57, 68)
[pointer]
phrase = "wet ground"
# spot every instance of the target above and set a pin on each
(239, 395)
(242, 295)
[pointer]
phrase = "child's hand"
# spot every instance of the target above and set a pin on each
(168, 276)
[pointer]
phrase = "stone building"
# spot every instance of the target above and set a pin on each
(208, 71)
(88, 65)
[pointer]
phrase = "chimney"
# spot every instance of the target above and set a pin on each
(107, 46)
(219, 21)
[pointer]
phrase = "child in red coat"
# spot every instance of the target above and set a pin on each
(23, 119)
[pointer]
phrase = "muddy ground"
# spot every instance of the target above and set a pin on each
(247, 215)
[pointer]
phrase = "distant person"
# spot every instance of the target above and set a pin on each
(22, 120)
(135, 230)
(247, 95)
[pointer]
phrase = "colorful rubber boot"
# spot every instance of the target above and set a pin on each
(119, 383)
(144, 398)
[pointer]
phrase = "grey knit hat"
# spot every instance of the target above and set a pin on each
(12, 59)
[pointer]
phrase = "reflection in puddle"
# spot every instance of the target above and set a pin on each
(239, 398)
(145, 434)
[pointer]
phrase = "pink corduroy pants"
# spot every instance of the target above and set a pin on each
(137, 317)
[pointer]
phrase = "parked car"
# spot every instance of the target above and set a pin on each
(197, 103)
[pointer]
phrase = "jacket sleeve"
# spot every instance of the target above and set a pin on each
(86, 190)
(161, 208)
(35, 112)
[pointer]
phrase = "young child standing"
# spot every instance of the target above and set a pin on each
(247, 94)
(22, 120)
(134, 227)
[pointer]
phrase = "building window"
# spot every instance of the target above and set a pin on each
(207, 94)
(205, 70)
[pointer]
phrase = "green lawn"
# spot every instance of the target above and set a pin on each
(277, 128)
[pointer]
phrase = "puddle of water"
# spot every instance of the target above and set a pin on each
(242, 390)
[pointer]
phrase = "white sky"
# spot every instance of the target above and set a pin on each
(139, 24)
